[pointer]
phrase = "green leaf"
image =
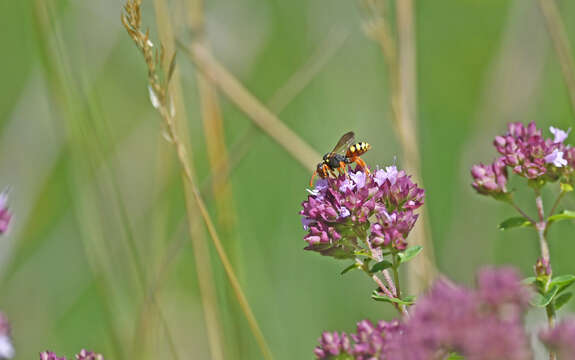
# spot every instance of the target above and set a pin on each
(563, 215)
(344, 356)
(454, 356)
(544, 300)
(339, 250)
(535, 282)
(382, 265)
(562, 300)
(513, 222)
(409, 253)
(408, 300)
(349, 268)
(362, 253)
(562, 282)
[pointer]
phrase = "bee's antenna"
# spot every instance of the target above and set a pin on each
(311, 181)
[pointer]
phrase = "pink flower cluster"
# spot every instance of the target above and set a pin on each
(358, 206)
(560, 339)
(370, 341)
(482, 324)
(82, 355)
(527, 153)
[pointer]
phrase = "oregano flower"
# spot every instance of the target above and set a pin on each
(527, 153)
(560, 339)
(342, 214)
(479, 324)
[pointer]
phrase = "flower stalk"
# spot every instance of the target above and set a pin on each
(541, 228)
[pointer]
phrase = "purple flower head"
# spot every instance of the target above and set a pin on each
(490, 179)
(560, 339)
(346, 185)
(332, 344)
(5, 213)
(48, 355)
(341, 213)
(306, 222)
(497, 287)
(523, 149)
(556, 158)
(82, 355)
(559, 135)
(527, 153)
(370, 341)
(358, 178)
(482, 324)
(389, 174)
(478, 324)
(569, 155)
(402, 194)
(88, 355)
(392, 229)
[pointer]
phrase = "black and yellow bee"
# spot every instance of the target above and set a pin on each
(345, 152)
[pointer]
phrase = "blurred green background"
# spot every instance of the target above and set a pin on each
(96, 191)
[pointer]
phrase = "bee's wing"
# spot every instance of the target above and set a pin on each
(344, 142)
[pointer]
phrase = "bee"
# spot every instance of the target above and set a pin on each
(345, 152)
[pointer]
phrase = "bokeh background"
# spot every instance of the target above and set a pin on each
(98, 200)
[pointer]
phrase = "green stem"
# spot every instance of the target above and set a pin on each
(384, 289)
(541, 227)
(395, 268)
(396, 276)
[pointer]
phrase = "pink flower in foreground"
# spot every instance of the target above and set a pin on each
(560, 339)
(481, 324)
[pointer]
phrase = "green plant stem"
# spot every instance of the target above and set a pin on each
(389, 281)
(396, 276)
(389, 292)
(386, 291)
(397, 284)
(541, 227)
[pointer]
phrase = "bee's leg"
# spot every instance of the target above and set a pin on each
(342, 167)
(361, 163)
(327, 171)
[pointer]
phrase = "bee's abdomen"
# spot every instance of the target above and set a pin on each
(357, 149)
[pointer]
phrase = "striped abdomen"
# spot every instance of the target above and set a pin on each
(357, 149)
